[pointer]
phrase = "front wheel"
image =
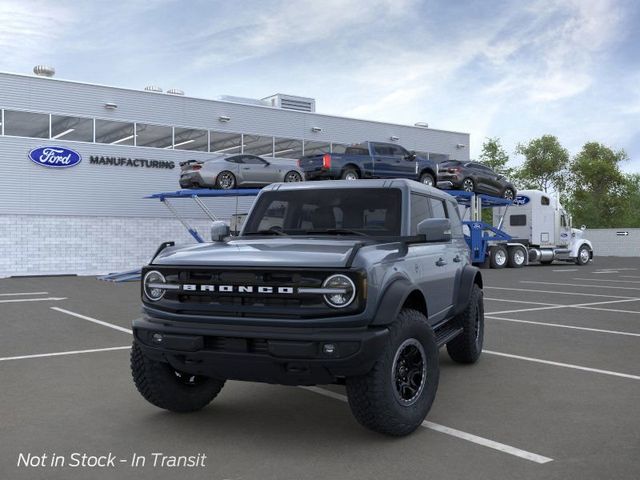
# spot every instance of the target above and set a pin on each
(396, 395)
(427, 179)
(225, 180)
(584, 255)
(163, 386)
(293, 176)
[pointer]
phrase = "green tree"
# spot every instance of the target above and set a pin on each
(599, 191)
(545, 164)
(495, 157)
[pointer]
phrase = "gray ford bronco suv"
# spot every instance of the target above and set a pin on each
(357, 283)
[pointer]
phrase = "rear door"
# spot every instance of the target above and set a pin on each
(383, 160)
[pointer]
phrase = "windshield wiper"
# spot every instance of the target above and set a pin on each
(338, 231)
(267, 232)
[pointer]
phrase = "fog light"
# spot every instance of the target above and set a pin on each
(329, 348)
(157, 338)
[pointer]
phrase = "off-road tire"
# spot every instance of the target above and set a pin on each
(515, 261)
(498, 256)
(158, 383)
(350, 173)
(373, 396)
(426, 177)
(225, 174)
(467, 347)
(580, 260)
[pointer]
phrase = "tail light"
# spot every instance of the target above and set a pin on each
(326, 161)
(454, 170)
(299, 162)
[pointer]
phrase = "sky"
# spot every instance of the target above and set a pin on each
(509, 69)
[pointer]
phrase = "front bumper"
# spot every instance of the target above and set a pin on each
(290, 356)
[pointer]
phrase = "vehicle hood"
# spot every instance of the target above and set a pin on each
(271, 252)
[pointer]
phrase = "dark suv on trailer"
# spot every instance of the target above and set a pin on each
(475, 177)
(357, 283)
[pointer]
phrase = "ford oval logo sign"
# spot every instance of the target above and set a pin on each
(55, 157)
(521, 200)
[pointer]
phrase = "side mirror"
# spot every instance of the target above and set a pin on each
(583, 228)
(219, 231)
(411, 156)
(435, 229)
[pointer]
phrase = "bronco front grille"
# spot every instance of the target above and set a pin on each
(249, 292)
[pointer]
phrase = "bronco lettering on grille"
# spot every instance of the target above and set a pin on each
(238, 289)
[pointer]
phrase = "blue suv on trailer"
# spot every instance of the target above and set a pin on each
(356, 283)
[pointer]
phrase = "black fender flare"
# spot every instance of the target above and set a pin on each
(469, 276)
(392, 300)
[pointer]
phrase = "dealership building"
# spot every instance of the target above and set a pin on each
(92, 217)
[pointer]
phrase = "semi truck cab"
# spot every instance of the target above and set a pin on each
(540, 223)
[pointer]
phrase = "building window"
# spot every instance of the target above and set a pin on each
(287, 148)
(257, 145)
(71, 128)
(26, 124)
(115, 133)
(191, 139)
(316, 148)
(227, 143)
(157, 136)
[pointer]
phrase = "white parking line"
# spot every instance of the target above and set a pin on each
(469, 437)
(581, 285)
(564, 365)
(572, 327)
(23, 293)
(519, 301)
(94, 320)
(576, 305)
(606, 280)
(566, 270)
(19, 300)
(629, 276)
(527, 290)
(58, 354)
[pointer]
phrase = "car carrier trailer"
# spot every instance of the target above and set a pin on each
(533, 228)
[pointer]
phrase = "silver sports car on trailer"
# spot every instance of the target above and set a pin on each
(232, 171)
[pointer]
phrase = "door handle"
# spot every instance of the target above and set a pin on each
(457, 259)
(441, 262)
(246, 168)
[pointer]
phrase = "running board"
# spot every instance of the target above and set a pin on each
(446, 334)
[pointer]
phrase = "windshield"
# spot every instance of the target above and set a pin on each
(350, 211)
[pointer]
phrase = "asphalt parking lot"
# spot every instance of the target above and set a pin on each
(556, 393)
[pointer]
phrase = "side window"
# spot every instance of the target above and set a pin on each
(251, 160)
(383, 150)
(563, 221)
(456, 223)
(437, 207)
(234, 159)
(517, 220)
(398, 151)
(419, 211)
(545, 201)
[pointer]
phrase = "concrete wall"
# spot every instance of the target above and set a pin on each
(51, 245)
(607, 242)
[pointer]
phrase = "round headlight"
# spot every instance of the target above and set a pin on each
(344, 291)
(152, 283)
